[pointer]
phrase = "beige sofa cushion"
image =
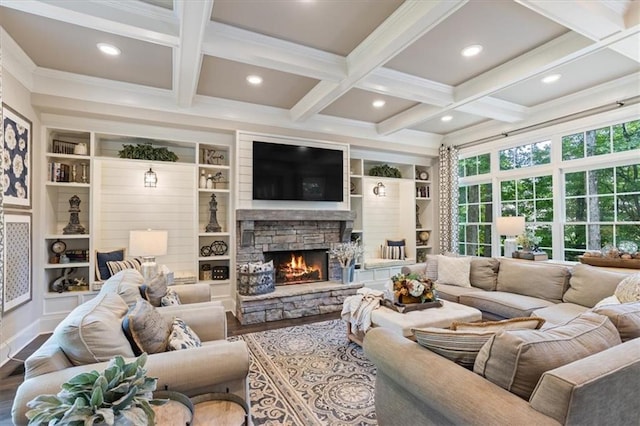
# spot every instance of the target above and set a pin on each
(544, 281)
(126, 284)
(91, 332)
(155, 289)
(515, 359)
(626, 318)
(590, 284)
(484, 272)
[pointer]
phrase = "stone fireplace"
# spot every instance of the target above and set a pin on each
(271, 234)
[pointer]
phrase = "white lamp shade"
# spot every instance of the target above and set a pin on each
(148, 243)
(510, 225)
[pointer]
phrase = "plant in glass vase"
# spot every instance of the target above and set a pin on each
(528, 240)
(346, 254)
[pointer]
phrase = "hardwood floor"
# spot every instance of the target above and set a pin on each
(12, 373)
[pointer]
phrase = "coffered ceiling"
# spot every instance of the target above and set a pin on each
(324, 62)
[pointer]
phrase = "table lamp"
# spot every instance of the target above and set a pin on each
(148, 244)
(510, 226)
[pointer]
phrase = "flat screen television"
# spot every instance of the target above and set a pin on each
(296, 173)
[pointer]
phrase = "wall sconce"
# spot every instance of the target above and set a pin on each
(150, 179)
(380, 190)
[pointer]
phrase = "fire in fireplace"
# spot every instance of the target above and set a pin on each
(298, 267)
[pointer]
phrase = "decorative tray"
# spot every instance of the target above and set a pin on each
(612, 263)
(404, 308)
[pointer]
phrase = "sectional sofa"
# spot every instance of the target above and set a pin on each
(592, 353)
(94, 331)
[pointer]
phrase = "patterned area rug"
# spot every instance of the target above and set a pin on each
(309, 375)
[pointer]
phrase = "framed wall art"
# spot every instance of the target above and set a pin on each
(16, 158)
(17, 288)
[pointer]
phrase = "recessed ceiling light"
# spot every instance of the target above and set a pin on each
(108, 49)
(471, 50)
(446, 118)
(551, 78)
(378, 103)
(254, 79)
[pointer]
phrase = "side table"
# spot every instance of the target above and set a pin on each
(220, 408)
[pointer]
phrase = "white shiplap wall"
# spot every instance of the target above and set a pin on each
(125, 204)
(387, 218)
(244, 173)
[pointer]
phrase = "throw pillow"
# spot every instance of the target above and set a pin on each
(515, 359)
(126, 284)
(521, 323)
(88, 335)
(626, 318)
(146, 329)
(484, 272)
(454, 270)
(392, 252)
(431, 271)
(629, 289)
(590, 284)
(461, 347)
(170, 299)
(182, 336)
(116, 266)
(155, 289)
(102, 271)
(398, 243)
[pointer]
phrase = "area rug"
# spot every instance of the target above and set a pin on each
(309, 375)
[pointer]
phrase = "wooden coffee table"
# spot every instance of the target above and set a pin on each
(404, 323)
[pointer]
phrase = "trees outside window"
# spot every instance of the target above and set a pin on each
(475, 210)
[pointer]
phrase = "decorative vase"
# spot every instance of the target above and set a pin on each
(346, 274)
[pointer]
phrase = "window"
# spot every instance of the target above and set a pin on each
(528, 155)
(475, 210)
(602, 206)
(477, 165)
(533, 199)
(617, 138)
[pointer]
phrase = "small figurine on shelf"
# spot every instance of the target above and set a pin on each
(213, 225)
(74, 227)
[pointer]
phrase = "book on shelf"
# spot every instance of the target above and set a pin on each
(58, 172)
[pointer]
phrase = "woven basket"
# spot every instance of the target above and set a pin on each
(252, 283)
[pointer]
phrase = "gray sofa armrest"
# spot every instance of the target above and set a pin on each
(192, 293)
(208, 320)
(213, 367)
(417, 386)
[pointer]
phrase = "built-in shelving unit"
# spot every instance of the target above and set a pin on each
(113, 200)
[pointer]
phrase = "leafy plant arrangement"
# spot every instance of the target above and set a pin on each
(146, 151)
(528, 240)
(384, 170)
(345, 253)
(121, 395)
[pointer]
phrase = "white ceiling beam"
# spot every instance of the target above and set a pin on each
(406, 86)
(140, 21)
(236, 44)
(408, 118)
(408, 23)
(188, 55)
(496, 109)
(594, 19)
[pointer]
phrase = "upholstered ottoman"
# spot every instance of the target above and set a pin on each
(403, 324)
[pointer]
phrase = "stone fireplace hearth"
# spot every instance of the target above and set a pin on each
(262, 231)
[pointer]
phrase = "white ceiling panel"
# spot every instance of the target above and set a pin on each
(220, 78)
(357, 104)
(579, 75)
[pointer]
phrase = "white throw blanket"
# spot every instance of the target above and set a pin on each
(357, 308)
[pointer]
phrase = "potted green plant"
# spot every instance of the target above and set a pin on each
(528, 240)
(120, 395)
(385, 170)
(146, 151)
